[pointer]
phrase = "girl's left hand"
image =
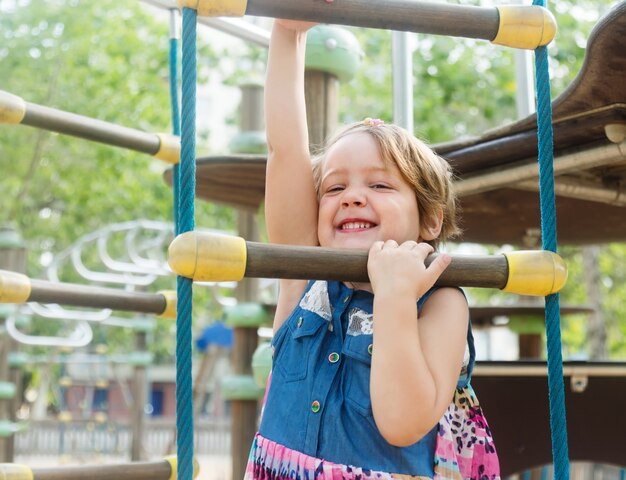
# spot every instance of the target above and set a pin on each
(397, 268)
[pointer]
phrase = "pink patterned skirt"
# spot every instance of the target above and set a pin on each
(464, 450)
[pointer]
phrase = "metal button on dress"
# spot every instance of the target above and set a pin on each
(300, 320)
(346, 298)
(370, 348)
(315, 406)
(333, 357)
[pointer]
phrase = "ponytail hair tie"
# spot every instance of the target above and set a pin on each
(373, 122)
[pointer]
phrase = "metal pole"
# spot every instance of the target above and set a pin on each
(90, 129)
(84, 295)
(402, 75)
(415, 16)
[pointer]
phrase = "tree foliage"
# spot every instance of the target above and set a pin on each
(106, 60)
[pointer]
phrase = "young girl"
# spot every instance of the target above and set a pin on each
(369, 381)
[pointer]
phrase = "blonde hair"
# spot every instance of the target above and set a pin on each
(428, 174)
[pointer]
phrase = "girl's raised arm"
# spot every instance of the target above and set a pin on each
(290, 196)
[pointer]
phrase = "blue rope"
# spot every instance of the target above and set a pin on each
(184, 404)
(173, 58)
(558, 424)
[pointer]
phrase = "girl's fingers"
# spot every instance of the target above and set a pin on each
(438, 265)
(377, 246)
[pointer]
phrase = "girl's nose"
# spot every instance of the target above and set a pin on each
(353, 197)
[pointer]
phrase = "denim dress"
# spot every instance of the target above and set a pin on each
(317, 420)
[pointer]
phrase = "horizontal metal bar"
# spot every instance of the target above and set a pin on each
(90, 129)
(517, 369)
(401, 15)
(281, 261)
(153, 470)
(233, 26)
(583, 191)
(96, 297)
(528, 169)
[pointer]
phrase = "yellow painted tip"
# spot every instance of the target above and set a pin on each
(523, 26)
(615, 132)
(15, 471)
(170, 304)
(64, 416)
(102, 384)
(169, 148)
(100, 417)
(208, 257)
(535, 272)
(14, 287)
(216, 8)
(12, 108)
(173, 461)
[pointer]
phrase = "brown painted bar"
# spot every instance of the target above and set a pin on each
(283, 261)
(96, 297)
(159, 470)
(402, 15)
(80, 126)
(77, 295)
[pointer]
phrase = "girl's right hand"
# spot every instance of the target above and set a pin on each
(401, 268)
(295, 25)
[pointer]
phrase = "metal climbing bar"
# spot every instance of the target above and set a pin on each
(15, 110)
(517, 26)
(210, 257)
(152, 470)
(18, 288)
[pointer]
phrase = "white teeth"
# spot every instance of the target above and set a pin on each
(355, 225)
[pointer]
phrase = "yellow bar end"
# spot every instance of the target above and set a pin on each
(525, 26)
(15, 471)
(169, 148)
(535, 272)
(216, 8)
(170, 304)
(14, 287)
(12, 108)
(208, 257)
(173, 461)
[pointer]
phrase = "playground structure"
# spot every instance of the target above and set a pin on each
(253, 403)
(497, 170)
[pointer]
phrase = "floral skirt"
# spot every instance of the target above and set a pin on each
(272, 461)
(464, 450)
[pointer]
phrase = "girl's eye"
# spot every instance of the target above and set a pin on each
(380, 186)
(335, 189)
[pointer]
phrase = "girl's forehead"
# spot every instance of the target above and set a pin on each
(358, 165)
(354, 150)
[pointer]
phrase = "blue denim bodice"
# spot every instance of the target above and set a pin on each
(319, 402)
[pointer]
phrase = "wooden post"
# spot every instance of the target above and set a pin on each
(139, 401)
(244, 413)
(321, 91)
(12, 257)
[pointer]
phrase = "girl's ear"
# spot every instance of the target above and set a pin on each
(430, 227)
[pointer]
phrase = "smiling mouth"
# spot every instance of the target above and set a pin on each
(355, 226)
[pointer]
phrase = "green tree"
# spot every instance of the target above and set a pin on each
(106, 60)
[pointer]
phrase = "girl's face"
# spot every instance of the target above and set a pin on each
(362, 200)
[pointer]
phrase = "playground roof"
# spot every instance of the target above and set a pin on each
(590, 169)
